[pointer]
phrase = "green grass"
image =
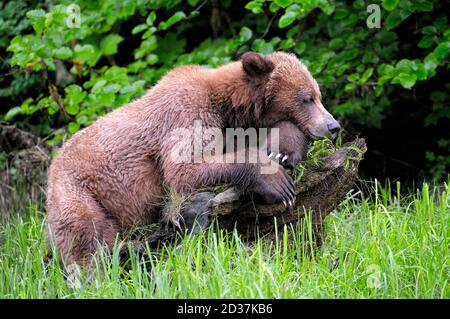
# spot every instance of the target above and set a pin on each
(380, 246)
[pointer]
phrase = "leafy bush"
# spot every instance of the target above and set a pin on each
(12, 23)
(90, 63)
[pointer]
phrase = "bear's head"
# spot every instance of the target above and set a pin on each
(289, 93)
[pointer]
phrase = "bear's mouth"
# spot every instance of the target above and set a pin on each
(311, 136)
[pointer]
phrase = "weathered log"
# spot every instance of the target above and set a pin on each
(319, 191)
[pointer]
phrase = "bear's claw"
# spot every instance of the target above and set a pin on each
(282, 159)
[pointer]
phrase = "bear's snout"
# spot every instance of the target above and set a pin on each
(333, 128)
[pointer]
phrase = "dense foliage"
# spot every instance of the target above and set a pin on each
(73, 61)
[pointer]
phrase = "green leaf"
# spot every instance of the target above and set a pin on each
(383, 79)
(74, 96)
(72, 109)
(178, 16)
(287, 44)
(84, 53)
(340, 14)
(385, 69)
(287, 19)
(430, 64)
(429, 30)
(359, 4)
(273, 7)
(349, 87)
(38, 19)
(25, 107)
(111, 88)
(33, 14)
(326, 7)
(366, 75)
(105, 99)
(420, 5)
(52, 108)
(390, 5)
(421, 73)
(405, 66)
(430, 156)
(116, 74)
(139, 28)
(151, 59)
(149, 33)
(440, 23)
(353, 77)
(127, 89)
(245, 34)
(350, 54)
(97, 88)
(255, 6)
(193, 14)
(259, 45)
(12, 112)
(336, 43)
(73, 127)
(351, 19)
(151, 18)
(407, 80)
(300, 47)
(393, 20)
(426, 42)
(442, 51)
(193, 3)
(283, 3)
(62, 53)
(109, 44)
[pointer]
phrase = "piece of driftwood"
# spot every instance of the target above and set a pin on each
(319, 191)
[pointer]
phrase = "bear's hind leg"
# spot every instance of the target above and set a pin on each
(77, 224)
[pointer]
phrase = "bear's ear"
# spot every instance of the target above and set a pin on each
(256, 65)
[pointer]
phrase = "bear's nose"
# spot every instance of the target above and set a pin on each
(333, 127)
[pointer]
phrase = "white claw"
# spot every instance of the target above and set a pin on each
(284, 202)
(278, 156)
(290, 203)
(284, 158)
(271, 154)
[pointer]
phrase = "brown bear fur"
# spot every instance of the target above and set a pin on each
(111, 175)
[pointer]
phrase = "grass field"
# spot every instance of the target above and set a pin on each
(376, 246)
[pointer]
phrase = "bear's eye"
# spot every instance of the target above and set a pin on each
(308, 100)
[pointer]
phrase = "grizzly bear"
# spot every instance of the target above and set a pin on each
(112, 175)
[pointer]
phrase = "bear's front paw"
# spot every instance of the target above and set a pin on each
(287, 160)
(275, 188)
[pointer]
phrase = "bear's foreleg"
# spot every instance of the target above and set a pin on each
(275, 187)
